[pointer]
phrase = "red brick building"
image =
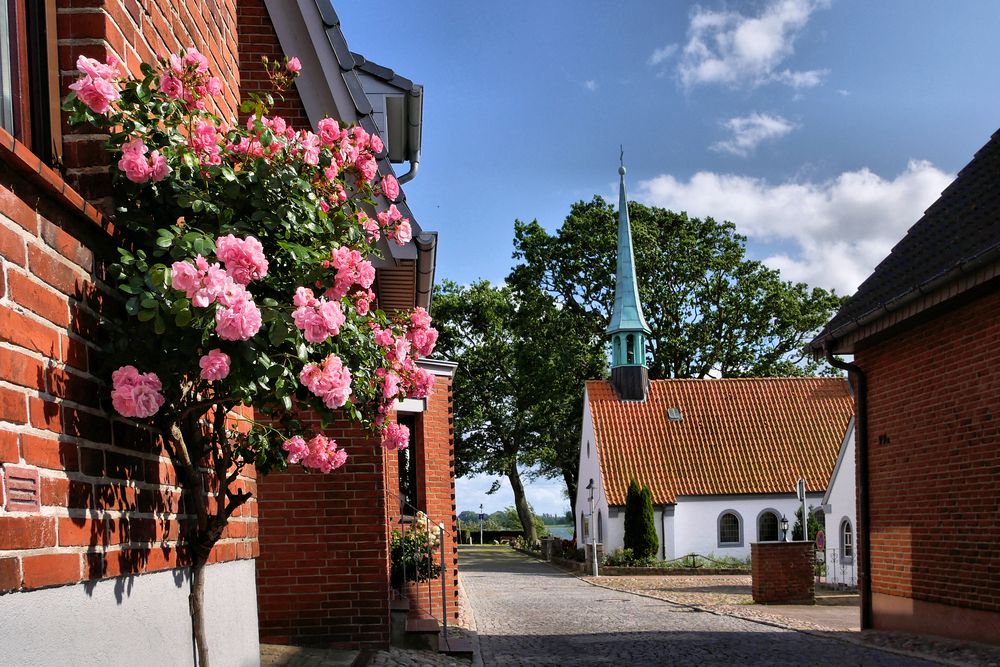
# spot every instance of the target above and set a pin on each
(924, 330)
(324, 575)
(90, 510)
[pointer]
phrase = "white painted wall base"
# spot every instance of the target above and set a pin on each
(137, 620)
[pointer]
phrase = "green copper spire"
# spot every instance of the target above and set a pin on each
(628, 328)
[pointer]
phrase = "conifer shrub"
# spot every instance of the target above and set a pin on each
(640, 525)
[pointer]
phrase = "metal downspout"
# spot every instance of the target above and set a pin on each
(864, 509)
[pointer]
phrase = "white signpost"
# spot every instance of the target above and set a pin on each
(800, 491)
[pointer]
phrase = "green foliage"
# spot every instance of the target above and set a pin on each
(413, 555)
(708, 305)
(640, 524)
(815, 524)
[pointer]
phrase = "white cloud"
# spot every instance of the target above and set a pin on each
(663, 54)
(845, 93)
(748, 131)
(835, 232)
(729, 48)
(590, 85)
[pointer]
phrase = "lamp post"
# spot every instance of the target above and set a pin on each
(481, 524)
(593, 533)
(784, 528)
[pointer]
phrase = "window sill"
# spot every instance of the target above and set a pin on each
(20, 158)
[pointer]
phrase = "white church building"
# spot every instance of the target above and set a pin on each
(841, 516)
(721, 456)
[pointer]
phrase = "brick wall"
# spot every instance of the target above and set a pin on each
(323, 573)
(108, 503)
(934, 441)
(258, 39)
(435, 449)
(783, 572)
(139, 31)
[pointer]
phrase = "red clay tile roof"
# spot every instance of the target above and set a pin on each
(736, 436)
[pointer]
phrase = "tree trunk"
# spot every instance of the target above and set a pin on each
(196, 600)
(521, 504)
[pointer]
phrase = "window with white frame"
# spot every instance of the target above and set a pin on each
(846, 539)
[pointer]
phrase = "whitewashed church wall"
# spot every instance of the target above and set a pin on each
(589, 470)
(841, 504)
(696, 521)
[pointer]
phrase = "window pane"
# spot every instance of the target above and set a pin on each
(6, 81)
(767, 527)
(847, 539)
(729, 529)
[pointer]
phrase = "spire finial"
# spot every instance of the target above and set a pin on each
(621, 160)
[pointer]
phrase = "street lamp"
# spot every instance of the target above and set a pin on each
(784, 528)
(481, 515)
(593, 533)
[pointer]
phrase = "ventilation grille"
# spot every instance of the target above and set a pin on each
(21, 489)
(674, 414)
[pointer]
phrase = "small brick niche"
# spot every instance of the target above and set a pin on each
(783, 572)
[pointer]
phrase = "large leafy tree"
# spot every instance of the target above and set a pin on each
(495, 411)
(712, 310)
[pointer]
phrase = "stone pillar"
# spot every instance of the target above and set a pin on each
(783, 572)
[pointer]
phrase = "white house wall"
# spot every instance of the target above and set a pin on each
(841, 504)
(696, 521)
(590, 469)
(148, 614)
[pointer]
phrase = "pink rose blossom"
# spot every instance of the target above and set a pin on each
(403, 232)
(318, 319)
(134, 163)
(296, 448)
(214, 365)
(390, 384)
(159, 169)
(243, 258)
(396, 436)
(171, 86)
(376, 143)
(324, 455)
(136, 394)
(293, 65)
(97, 70)
(238, 322)
(352, 269)
(390, 187)
(329, 131)
(422, 384)
(310, 145)
(331, 381)
(367, 165)
(98, 94)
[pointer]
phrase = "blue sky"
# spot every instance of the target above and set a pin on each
(821, 129)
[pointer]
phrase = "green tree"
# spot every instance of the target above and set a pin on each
(815, 525)
(640, 523)
(711, 309)
(496, 413)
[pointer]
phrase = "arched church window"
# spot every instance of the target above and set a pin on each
(630, 349)
(767, 527)
(600, 527)
(618, 350)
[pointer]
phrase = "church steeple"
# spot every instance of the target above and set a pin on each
(627, 328)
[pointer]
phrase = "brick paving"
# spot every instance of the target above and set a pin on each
(529, 613)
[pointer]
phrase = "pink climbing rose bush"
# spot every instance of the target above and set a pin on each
(246, 272)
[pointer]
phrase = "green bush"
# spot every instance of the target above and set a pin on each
(640, 523)
(413, 557)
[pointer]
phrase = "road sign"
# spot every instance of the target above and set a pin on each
(821, 541)
(800, 489)
(482, 517)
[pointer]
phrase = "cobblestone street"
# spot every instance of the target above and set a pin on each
(529, 613)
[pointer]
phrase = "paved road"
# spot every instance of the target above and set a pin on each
(530, 613)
